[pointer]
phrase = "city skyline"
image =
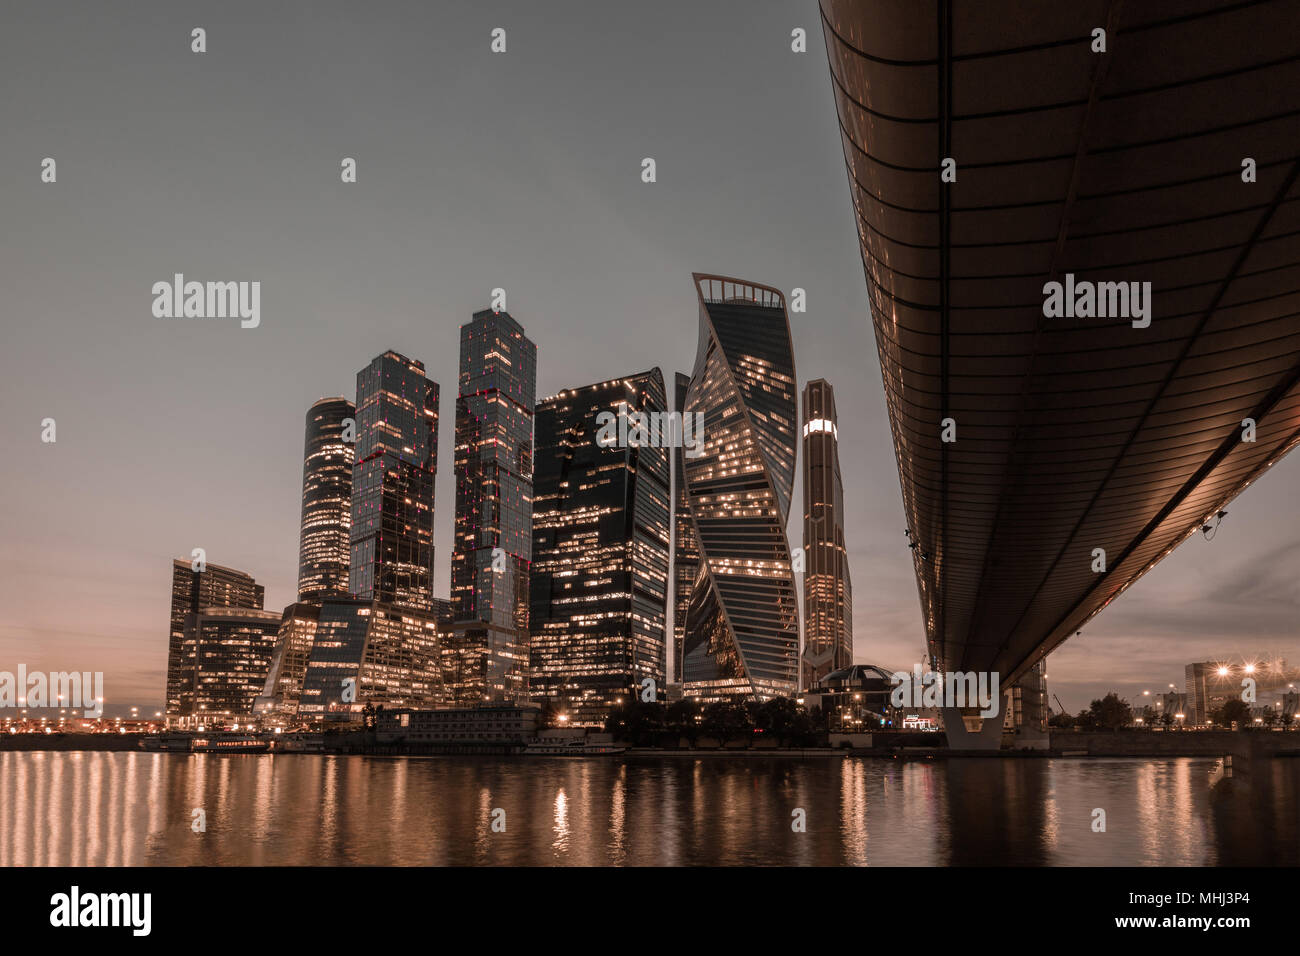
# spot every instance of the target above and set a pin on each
(590, 255)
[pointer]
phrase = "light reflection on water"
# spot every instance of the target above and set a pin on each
(106, 808)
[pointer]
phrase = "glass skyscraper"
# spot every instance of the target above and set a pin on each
(393, 482)
(827, 590)
(193, 591)
(599, 576)
(742, 624)
(494, 471)
(324, 541)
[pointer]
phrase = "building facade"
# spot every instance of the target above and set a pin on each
(293, 644)
(371, 652)
(232, 657)
(324, 538)
(393, 483)
(742, 623)
(193, 590)
(827, 588)
(459, 727)
(494, 471)
(599, 575)
(686, 553)
(484, 662)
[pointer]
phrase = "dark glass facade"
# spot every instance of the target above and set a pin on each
(742, 623)
(393, 483)
(214, 586)
(232, 657)
(324, 541)
(494, 471)
(827, 590)
(686, 552)
(599, 576)
(293, 645)
(483, 662)
(368, 652)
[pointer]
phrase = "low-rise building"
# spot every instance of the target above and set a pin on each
(488, 725)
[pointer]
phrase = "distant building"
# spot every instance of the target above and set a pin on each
(324, 538)
(393, 483)
(686, 552)
(827, 588)
(1173, 704)
(293, 644)
(742, 625)
(233, 648)
(369, 652)
(599, 575)
(214, 586)
(855, 699)
(1211, 684)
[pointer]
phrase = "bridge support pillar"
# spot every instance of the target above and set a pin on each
(985, 735)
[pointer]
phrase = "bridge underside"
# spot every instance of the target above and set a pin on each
(1072, 434)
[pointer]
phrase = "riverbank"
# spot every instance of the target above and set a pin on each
(1068, 745)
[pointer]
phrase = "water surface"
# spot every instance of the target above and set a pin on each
(106, 808)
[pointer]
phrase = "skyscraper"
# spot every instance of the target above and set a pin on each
(742, 625)
(192, 591)
(827, 590)
(494, 471)
(485, 654)
(393, 482)
(324, 541)
(686, 552)
(599, 576)
(232, 657)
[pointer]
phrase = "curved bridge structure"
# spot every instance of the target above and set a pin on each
(1144, 158)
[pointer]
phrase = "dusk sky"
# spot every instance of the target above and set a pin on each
(475, 170)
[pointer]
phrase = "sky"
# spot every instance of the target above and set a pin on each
(475, 170)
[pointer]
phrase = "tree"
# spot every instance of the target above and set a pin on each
(1061, 721)
(1167, 719)
(1111, 712)
(1233, 712)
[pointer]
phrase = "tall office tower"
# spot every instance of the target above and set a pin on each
(494, 471)
(192, 590)
(293, 645)
(686, 552)
(324, 541)
(742, 625)
(827, 590)
(599, 578)
(370, 652)
(232, 657)
(392, 483)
